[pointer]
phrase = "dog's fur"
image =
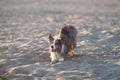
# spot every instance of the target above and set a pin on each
(64, 46)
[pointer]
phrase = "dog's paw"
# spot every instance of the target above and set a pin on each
(71, 54)
(61, 59)
(53, 62)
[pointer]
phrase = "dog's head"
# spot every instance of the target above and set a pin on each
(55, 44)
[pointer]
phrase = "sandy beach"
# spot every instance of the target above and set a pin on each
(26, 24)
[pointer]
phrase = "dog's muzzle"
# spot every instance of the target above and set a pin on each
(53, 49)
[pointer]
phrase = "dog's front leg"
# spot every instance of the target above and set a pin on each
(53, 58)
(63, 50)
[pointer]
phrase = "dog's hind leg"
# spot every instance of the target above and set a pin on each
(71, 53)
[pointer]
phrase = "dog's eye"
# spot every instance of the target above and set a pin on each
(58, 42)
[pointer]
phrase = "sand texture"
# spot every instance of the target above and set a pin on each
(26, 24)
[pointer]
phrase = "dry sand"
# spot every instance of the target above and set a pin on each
(24, 29)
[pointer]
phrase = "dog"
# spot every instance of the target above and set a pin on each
(64, 45)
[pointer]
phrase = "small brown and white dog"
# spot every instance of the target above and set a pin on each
(64, 46)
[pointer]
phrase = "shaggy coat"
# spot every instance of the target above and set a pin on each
(64, 46)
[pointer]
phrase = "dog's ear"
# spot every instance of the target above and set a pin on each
(50, 37)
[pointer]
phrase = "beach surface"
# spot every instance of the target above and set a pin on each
(26, 24)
